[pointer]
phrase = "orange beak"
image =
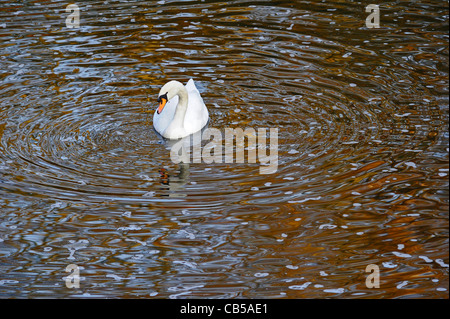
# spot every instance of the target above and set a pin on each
(162, 103)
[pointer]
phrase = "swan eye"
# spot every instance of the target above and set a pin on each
(162, 100)
(163, 96)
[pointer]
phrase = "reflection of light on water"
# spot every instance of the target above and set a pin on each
(76, 245)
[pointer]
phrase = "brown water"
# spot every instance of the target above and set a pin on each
(363, 150)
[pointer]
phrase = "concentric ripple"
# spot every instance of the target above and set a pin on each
(362, 118)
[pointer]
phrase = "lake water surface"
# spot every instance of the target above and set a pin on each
(363, 148)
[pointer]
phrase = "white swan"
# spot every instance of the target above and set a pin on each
(181, 110)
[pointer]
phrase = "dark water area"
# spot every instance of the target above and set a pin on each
(363, 148)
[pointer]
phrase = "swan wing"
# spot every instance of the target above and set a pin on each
(190, 86)
(197, 113)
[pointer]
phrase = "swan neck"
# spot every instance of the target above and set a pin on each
(181, 107)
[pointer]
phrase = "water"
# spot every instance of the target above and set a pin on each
(363, 150)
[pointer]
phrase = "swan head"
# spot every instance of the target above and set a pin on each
(168, 91)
